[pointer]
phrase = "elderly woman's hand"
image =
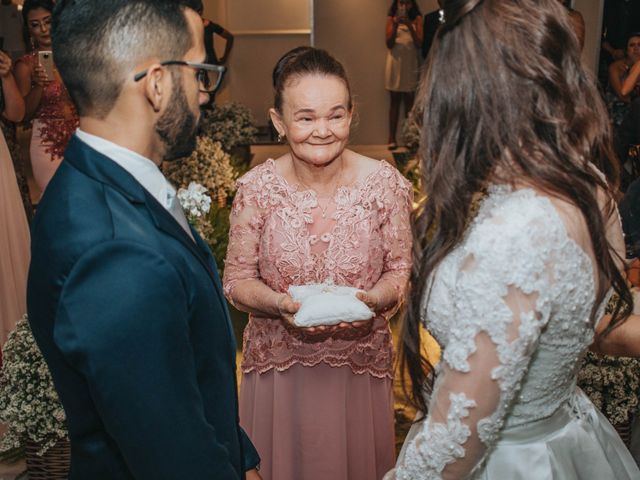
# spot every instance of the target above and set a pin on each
(287, 308)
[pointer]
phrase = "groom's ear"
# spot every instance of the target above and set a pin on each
(157, 86)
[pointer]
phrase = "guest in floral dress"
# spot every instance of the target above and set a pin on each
(317, 402)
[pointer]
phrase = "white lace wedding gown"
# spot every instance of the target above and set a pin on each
(513, 308)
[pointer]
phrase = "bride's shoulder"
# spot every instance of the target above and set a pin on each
(512, 218)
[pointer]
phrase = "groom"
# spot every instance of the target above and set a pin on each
(124, 298)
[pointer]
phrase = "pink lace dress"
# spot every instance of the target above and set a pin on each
(54, 123)
(319, 410)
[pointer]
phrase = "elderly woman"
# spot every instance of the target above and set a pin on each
(514, 291)
(317, 402)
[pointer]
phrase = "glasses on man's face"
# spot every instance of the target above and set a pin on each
(209, 76)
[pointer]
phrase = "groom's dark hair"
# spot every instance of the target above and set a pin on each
(98, 43)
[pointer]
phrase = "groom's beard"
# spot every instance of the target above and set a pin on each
(177, 126)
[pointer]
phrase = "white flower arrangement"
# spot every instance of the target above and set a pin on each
(29, 403)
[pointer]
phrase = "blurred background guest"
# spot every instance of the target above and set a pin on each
(210, 30)
(46, 99)
(404, 39)
(620, 19)
(621, 93)
(8, 129)
(14, 229)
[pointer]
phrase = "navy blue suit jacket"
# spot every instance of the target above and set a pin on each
(129, 314)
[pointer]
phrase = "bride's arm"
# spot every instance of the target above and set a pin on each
(502, 304)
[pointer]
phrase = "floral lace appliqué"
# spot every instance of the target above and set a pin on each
(279, 236)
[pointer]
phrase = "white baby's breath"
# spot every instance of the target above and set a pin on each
(29, 404)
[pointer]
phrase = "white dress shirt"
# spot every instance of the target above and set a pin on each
(141, 168)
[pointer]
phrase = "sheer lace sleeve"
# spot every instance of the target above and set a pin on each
(396, 238)
(503, 296)
(246, 224)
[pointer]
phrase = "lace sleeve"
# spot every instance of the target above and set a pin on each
(246, 222)
(397, 238)
(502, 302)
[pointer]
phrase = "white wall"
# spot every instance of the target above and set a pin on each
(264, 30)
(352, 30)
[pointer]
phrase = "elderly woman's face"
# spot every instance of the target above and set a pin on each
(316, 117)
(633, 49)
(39, 24)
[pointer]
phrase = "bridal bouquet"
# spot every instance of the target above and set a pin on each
(29, 404)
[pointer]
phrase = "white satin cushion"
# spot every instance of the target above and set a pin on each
(326, 304)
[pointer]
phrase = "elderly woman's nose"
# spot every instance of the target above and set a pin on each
(322, 127)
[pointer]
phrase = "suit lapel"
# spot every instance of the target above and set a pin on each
(165, 222)
(103, 169)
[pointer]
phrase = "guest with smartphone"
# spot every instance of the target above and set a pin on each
(404, 38)
(46, 99)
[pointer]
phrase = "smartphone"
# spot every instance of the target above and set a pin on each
(45, 58)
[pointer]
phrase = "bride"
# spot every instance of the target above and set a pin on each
(514, 291)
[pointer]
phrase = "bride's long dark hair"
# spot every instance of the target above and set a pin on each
(504, 98)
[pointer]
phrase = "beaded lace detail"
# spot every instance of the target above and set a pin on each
(279, 236)
(512, 307)
(56, 112)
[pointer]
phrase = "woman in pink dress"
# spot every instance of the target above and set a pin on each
(46, 99)
(318, 402)
(14, 229)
